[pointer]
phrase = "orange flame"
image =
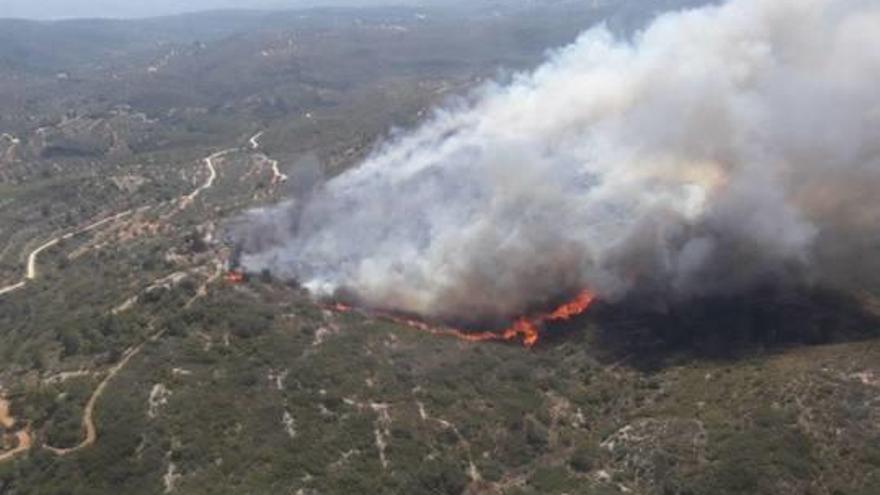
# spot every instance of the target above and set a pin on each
(572, 308)
(526, 329)
(235, 276)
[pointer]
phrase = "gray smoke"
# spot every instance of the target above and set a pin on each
(721, 148)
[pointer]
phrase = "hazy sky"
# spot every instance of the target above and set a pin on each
(57, 9)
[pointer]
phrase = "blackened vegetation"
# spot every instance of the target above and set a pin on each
(732, 326)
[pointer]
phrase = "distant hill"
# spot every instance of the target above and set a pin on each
(48, 47)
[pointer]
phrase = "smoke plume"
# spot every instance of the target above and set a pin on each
(719, 149)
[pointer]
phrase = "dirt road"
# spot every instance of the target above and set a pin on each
(12, 288)
(24, 444)
(6, 421)
(24, 441)
(31, 268)
(209, 183)
(88, 421)
(277, 176)
(254, 140)
(24, 437)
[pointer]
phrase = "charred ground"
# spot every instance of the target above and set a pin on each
(735, 327)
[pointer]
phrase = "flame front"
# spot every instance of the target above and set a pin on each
(526, 329)
(572, 308)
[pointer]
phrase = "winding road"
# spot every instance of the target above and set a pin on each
(12, 288)
(255, 143)
(31, 269)
(277, 176)
(88, 420)
(24, 437)
(24, 440)
(212, 176)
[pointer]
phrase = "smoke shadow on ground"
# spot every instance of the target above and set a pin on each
(723, 328)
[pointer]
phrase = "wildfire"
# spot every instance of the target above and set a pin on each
(342, 308)
(572, 308)
(235, 276)
(526, 329)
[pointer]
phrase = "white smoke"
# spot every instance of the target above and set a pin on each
(721, 148)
